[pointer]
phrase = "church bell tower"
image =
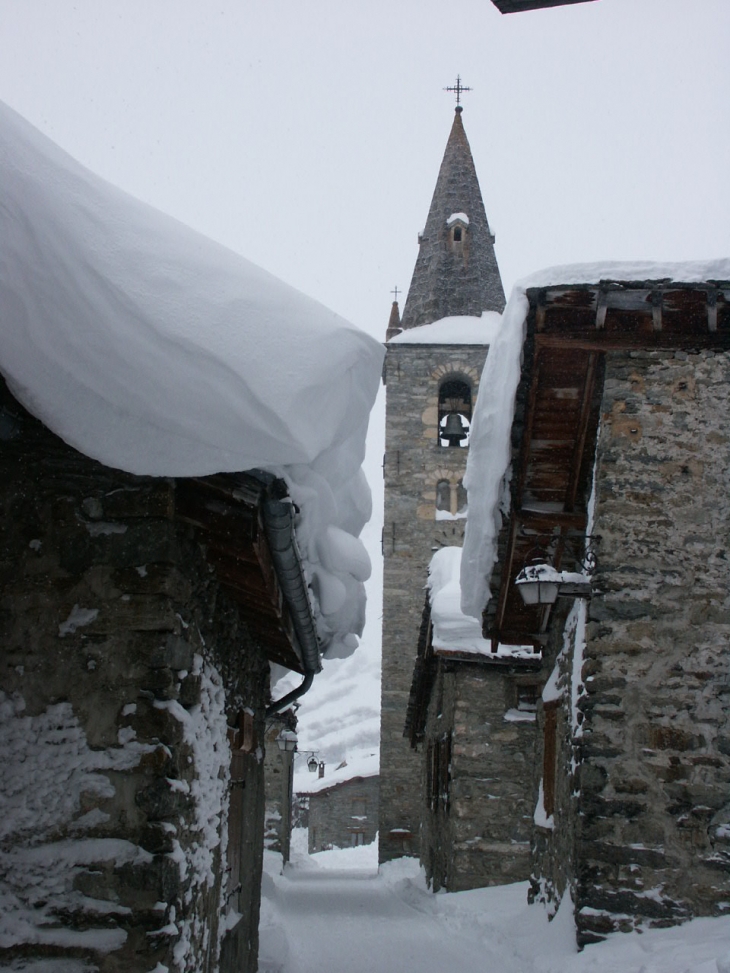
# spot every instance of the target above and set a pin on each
(434, 359)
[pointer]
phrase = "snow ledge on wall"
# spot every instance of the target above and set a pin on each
(461, 329)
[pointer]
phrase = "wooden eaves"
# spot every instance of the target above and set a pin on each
(228, 512)
(570, 329)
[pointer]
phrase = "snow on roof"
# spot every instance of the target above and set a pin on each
(487, 471)
(363, 764)
(460, 329)
(152, 349)
(457, 217)
(453, 631)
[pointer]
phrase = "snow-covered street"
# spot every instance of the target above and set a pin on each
(335, 913)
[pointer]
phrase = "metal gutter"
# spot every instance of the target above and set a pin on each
(278, 516)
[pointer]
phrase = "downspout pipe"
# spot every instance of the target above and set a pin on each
(278, 516)
(282, 703)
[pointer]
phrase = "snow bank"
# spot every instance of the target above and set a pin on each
(488, 466)
(314, 919)
(155, 350)
(460, 329)
(453, 631)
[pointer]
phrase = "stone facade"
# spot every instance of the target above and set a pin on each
(414, 465)
(131, 826)
(478, 746)
(279, 779)
(639, 830)
(344, 815)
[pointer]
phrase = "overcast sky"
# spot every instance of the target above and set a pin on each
(307, 134)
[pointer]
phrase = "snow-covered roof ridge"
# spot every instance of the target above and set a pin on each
(488, 463)
(155, 350)
(355, 767)
(461, 329)
(686, 272)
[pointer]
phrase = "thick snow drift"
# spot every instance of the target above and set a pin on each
(487, 470)
(453, 631)
(155, 350)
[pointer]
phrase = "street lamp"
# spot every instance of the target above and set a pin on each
(287, 740)
(540, 583)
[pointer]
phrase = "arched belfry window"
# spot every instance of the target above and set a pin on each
(454, 413)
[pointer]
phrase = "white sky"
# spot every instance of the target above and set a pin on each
(308, 135)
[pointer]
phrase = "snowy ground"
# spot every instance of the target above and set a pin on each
(335, 913)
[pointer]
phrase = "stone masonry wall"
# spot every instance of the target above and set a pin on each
(278, 775)
(554, 861)
(651, 827)
(122, 663)
(346, 809)
(414, 463)
(482, 837)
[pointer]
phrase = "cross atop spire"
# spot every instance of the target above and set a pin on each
(457, 89)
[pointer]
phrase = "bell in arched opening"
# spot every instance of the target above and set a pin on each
(454, 412)
(453, 429)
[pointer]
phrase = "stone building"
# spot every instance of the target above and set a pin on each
(434, 358)
(136, 638)
(150, 572)
(343, 806)
(278, 781)
(472, 715)
(623, 397)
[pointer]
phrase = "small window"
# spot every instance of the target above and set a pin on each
(527, 698)
(359, 807)
(457, 234)
(461, 499)
(443, 495)
(438, 772)
(549, 755)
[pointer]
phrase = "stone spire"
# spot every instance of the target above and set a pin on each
(456, 270)
(394, 325)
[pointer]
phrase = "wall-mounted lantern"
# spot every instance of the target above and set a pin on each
(287, 740)
(540, 583)
(312, 764)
